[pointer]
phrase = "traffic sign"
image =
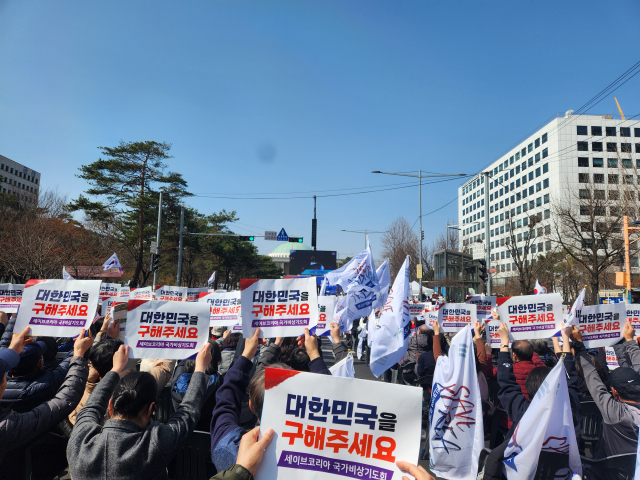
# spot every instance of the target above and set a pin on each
(270, 235)
(282, 236)
(154, 247)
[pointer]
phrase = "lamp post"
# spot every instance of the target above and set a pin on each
(420, 177)
(366, 232)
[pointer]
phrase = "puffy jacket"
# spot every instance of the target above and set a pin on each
(417, 344)
(227, 360)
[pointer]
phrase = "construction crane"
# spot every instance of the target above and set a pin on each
(621, 114)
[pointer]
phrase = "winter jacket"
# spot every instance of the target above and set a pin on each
(620, 419)
(18, 428)
(121, 449)
(271, 354)
(227, 360)
(179, 386)
(426, 364)
(7, 333)
(417, 344)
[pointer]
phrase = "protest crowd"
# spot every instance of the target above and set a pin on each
(472, 395)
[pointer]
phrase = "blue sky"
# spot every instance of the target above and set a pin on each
(278, 97)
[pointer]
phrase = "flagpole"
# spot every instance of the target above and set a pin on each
(180, 247)
(155, 272)
(421, 235)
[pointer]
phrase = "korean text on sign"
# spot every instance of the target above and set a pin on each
(10, 297)
(109, 290)
(58, 308)
(633, 314)
(281, 308)
(160, 329)
(453, 317)
(601, 325)
(340, 431)
(171, 294)
(326, 305)
(484, 305)
(532, 316)
(225, 308)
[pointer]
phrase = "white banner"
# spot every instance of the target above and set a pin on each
(58, 308)
(326, 304)
(109, 290)
(601, 325)
(633, 314)
(612, 358)
(456, 431)
(281, 308)
(172, 330)
(125, 291)
(484, 305)
(354, 428)
(193, 294)
(171, 294)
(225, 308)
(453, 317)
(532, 316)
(10, 297)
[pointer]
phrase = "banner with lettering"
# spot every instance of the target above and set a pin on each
(125, 291)
(281, 308)
(225, 308)
(142, 293)
(10, 297)
(159, 329)
(109, 290)
(453, 317)
(351, 428)
(119, 312)
(484, 305)
(612, 358)
(171, 294)
(108, 303)
(193, 294)
(601, 325)
(416, 309)
(532, 316)
(58, 308)
(326, 305)
(633, 314)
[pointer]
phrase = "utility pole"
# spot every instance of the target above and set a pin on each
(155, 272)
(179, 279)
(314, 225)
(487, 252)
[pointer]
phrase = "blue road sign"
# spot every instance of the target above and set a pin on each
(282, 236)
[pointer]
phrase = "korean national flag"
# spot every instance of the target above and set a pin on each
(212, 278)
(113, 262)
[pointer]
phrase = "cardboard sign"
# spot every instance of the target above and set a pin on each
(58, 308)
(109, 302)
(173, 330)
(484, 305)
(601, 325)
(416, 309)
(350, 428)
(612, 358)
(453, 317)
(225, 308)
(10, 297)
(193, 294)
(171, 294)
(326, 304)
(143, 293)
(281, 308)
(532, 316)
(109, 290)
(633, 314)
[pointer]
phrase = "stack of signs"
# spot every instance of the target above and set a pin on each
(143, 293)
(109, 302)
(601, 325)
(281, 308)
(58, 308)
(416, 309)
(193, 294)
(171, 294)
(532, 316)
(224, 306)
(340, 432)
(109, 290)
(173, 330)
(453, 317)
(326, 304)
(633, 314)
(10, 297)
(484, 306)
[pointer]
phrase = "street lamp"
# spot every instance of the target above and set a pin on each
(420, 177)
(366, 232)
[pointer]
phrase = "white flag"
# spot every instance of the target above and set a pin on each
(359, 271)
(575, 310)
(65, 275)
(339, 311)
(212, 278)
(392, 335)
(456, 431)
(344, 368)
(384, 281)
(371, 328)
(539, 289)
(546, 426)
(363, 337)
(112, 262)
(323, 288)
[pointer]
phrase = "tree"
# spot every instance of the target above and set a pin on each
(398, 241)
(447, 240)
(124, 183)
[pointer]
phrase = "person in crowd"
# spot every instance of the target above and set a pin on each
(545, 354)
(182, 377)
(355, 334)
(217, 332)
(516, 403)
(18, 428)
(129, 445)
(228, 346)
(226, 430)
(418, 472)
(4, 321)
(419, 344)
(620, 408)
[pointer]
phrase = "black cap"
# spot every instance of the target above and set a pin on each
(624, 376)
(32, 353)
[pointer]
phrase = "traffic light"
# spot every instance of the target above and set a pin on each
(295, 239)
(246, 238)
(422, 235)
(155, 262)
(483, 270)
(314, 229)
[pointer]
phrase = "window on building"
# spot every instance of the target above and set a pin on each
(583, 178)
(544, 138)
(530, 148)
(598, 162)
(610, 131)
(506, 164)
(545, 153)
(625, 132)
(613, 179)
(523, 152)
(524, 166)
(530, 162)
(530, 176)
(583, 161)
(538, 186)
(519, 237)
(582, 130)
(517, 182)
(517, 155)
(531, 190)
(596, 146)
(524, 193)
(627, 163)
(584, 194)
(625, 147)
(538, 172)
(598, 194)
(628, 179)
(537, 157)
(598, 178)
(539, 202)
(545, 183)
(612, 162)
(612, 147)
(537, 142)
(585, 210)
(614, 195)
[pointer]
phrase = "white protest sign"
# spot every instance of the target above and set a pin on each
(10, 297)
(601, 325)
(633, 314)
(430, 318)
(491, 330)
(484, 305)
(326, 305)
(532, 316)
(281, 308)
(168, 293)
(225, 308)
(193, 294)
(416, 309)
(354, 428)
(108, 303)
(143, 293)
(109, 290)
(119, 312)
(612, 358)
(173, 330)
(125, 291)
(58, 308)
(453, 317)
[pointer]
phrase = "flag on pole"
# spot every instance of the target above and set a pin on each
(359, 271)
(384, 281)
(371, 328)
(212, 278)
(344, 368)
(575, 310)
(540, 289)
(323, 288)
(112, 262)
(392, 337)
(65, 275)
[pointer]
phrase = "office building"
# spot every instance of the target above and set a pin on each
(19, 180)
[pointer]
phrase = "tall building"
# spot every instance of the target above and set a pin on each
(19, 180)
(567, 151)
